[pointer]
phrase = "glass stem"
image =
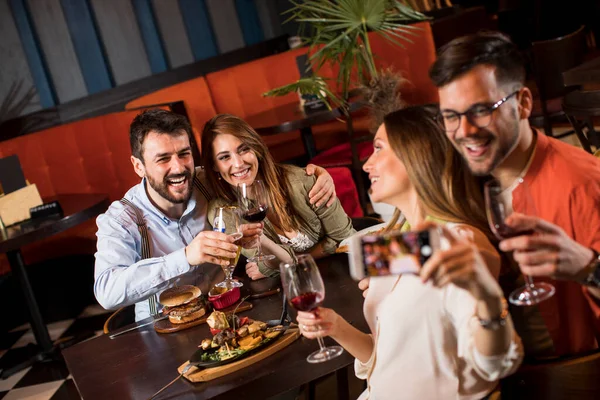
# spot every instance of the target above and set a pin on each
(258, 247)
(529, 281)
(320, 340)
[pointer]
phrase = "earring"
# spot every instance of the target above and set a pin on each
(219, 176)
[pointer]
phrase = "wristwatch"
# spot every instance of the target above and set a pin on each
(496, 323)
(593, 277)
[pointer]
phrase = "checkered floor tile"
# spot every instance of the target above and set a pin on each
(45, 380)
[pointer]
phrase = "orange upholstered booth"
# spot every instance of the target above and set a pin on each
(239, 90)
(87, 156)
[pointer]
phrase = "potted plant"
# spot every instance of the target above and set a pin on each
(336, 32)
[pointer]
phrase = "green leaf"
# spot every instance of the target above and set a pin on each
(336, 32)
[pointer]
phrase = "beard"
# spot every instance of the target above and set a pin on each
(499, 149)
(162, 187)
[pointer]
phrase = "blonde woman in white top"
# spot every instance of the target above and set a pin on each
(445, 334)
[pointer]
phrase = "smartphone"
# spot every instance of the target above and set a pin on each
(393, 253)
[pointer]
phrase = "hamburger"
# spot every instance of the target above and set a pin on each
(183, 304)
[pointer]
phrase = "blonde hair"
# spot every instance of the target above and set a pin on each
(273, 175)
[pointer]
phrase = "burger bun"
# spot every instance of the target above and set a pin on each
(179, 295)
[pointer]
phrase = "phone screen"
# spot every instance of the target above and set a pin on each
(395, 253)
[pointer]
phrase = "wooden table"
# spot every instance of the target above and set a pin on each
(289, 118)
(77, 208)
(586, 73)
(137, 364)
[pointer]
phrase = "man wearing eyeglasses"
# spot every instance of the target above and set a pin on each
(484, 108)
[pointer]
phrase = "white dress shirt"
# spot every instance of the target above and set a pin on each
(121, 277)
(424, 346)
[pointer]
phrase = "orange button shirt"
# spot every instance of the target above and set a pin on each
(564, 182)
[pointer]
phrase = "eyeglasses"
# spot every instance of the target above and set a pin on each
(479, 115)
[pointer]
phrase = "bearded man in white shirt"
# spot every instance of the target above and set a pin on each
(169, 207)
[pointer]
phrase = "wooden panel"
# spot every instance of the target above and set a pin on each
(58, 50)
(114, 100)
(199, 28)
(122, 40)
(14, 63)
(88, 47)
(269, 19)
(172, 30)
(226, 25)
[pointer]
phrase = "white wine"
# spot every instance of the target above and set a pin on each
(233, 261)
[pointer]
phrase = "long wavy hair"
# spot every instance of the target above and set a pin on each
(273, 175)
(444, 184)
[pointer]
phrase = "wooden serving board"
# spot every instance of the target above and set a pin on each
(165, 326)
(205, 375)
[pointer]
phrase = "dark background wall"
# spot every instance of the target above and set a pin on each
(69, 49)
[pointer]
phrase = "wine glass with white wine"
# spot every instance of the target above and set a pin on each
(227, 220)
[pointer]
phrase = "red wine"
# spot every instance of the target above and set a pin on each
(307, 301)
(255, 215)
(506, 232)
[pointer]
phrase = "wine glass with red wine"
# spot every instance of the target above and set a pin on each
(498, 208)
(303, 286)
(253, 202)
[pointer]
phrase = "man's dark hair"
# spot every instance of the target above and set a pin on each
(485, 48)
(158, 120)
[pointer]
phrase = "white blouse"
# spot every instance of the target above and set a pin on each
(424, 345)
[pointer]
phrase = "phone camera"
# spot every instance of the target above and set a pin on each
(426, 251)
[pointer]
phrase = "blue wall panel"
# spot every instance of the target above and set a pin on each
(31, 47)
(88, 48)
(150, 35)
(226, 25)
(199, 28)
(249, 21)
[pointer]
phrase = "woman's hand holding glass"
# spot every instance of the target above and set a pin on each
(253, 272)
(304, 289)
(251, 234)
(318, 323)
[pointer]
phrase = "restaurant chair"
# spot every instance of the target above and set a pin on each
(550, 58)
(565, 379)
(118, 319)
(346, 191)
(461, 23)
(351, 154)
(364, 222)
(581, 107)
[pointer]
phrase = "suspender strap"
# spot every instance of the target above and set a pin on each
(146, 252)
(200, 186)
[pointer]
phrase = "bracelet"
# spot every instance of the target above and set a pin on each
(593, 277)
(496, 323)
